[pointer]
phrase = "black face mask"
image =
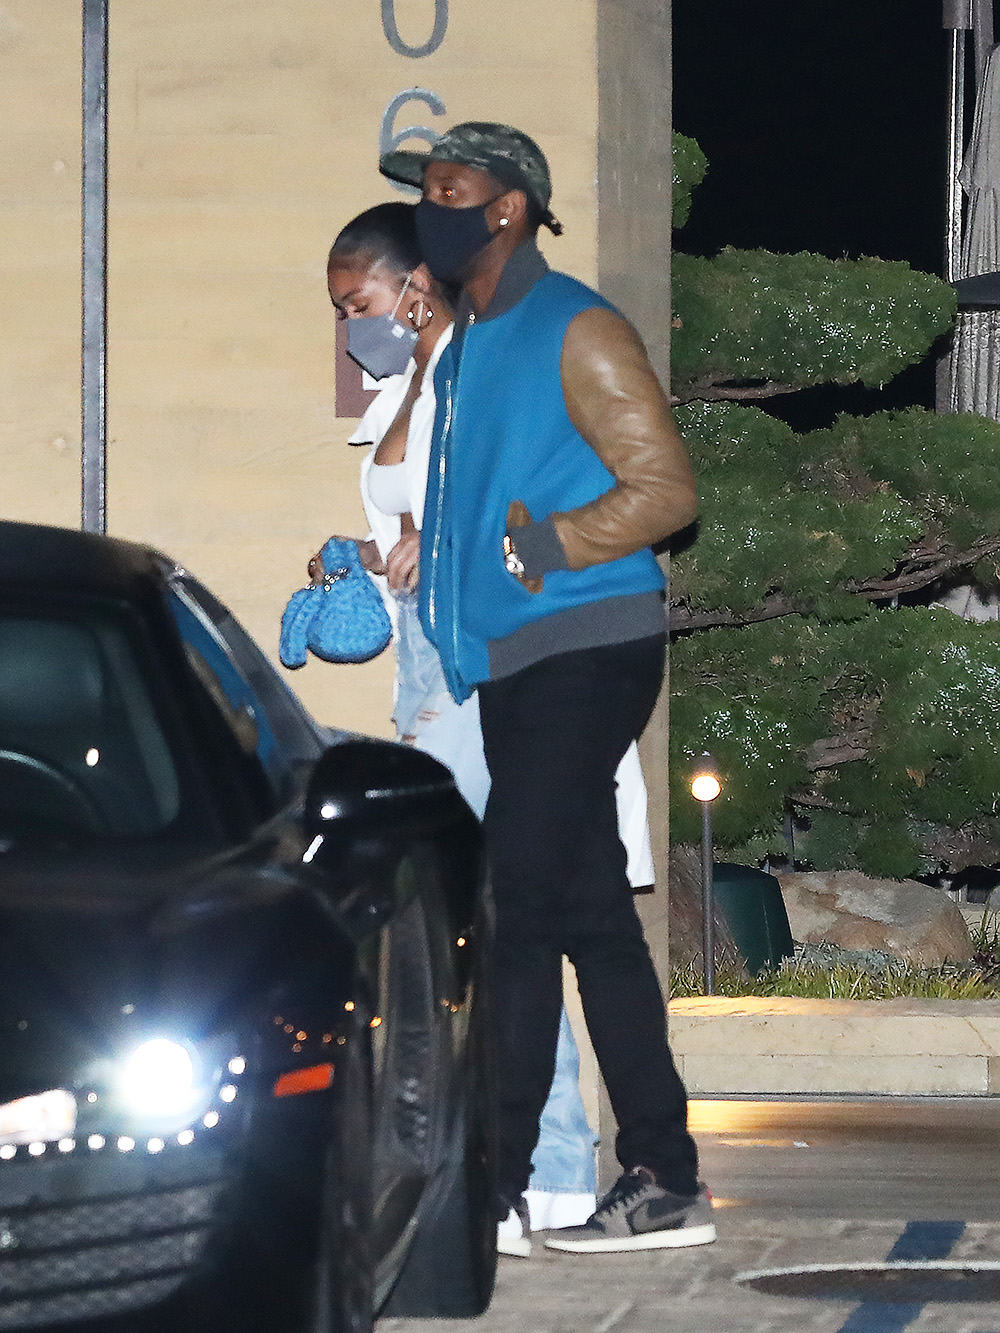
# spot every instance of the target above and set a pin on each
(450, 237)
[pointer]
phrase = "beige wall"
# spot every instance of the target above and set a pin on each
(242, 137)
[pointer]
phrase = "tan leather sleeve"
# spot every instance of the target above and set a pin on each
(617, 404)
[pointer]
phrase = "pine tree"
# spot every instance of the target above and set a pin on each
(794, 662)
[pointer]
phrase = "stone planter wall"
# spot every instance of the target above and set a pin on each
(902, 1047)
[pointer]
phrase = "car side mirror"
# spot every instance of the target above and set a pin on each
(380, 785)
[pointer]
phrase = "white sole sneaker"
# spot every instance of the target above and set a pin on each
(513, 1237)
(651, 1240)
(517, 1247)
(638, 1213)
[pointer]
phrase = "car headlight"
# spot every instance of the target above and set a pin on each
(160, 1077)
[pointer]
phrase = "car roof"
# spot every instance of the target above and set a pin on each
(33, 556)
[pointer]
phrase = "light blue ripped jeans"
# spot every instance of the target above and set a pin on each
(563, 1160)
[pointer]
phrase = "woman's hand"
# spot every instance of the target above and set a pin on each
(403, 563)
(370, 558)
(367, 551)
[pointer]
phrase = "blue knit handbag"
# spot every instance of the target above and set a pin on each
(342, 619)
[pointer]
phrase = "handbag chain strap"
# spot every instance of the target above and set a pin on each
(333, 576)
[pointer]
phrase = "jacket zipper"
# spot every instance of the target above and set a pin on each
(439, 511)
(454, 383)
(452, 387)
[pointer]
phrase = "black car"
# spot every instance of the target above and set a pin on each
(243, 1078)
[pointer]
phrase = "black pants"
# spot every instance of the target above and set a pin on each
(554, 735)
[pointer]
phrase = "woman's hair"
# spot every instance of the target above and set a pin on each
(386, 233)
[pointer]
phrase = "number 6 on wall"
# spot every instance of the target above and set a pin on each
(389, 138)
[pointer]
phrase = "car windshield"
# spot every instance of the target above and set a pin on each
(257, 706)
(82, 750)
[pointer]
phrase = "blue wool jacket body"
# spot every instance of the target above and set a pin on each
(502, 433)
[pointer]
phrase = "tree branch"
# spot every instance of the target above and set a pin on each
(833, 750)
(814, 801)
(927, 567)
(918, 573)
(684, 618)
(712, 390)
(969, 845)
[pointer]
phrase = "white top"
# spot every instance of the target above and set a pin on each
(385, 528)
(387, 487)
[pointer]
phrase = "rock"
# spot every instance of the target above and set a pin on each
(908, 920)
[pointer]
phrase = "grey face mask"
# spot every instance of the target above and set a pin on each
(379, 344)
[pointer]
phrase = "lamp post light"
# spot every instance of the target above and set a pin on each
(705, 787)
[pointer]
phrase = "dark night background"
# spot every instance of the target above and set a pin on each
(824, 125)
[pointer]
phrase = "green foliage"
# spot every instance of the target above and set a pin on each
(768, 526)
(882, 726)
(842, 982)
(884, 847)
(914, 693)
(748, 317)
(810, 517)
(945, 467)
(931, 761)
(689, 167)
(753, 699)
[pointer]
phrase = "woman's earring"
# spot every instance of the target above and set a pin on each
(504, 221)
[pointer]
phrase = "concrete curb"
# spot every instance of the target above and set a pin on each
(902, 1047)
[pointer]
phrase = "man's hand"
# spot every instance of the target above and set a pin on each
(402, 564)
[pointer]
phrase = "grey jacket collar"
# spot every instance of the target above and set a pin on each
(523, 269)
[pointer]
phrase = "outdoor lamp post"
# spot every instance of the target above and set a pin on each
(705, 787)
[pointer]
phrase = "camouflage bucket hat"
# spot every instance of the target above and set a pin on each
(512, 157)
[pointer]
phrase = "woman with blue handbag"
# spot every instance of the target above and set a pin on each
(399, 324)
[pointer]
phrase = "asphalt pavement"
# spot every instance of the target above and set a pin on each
(892, 1207)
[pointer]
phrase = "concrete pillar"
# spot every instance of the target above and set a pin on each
(634, 237)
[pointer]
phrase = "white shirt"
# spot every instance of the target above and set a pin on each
(385, 528)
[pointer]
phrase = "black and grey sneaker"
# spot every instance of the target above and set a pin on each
(639, 1214)
(514, 1230)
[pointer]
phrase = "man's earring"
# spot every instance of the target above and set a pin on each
(504, 221)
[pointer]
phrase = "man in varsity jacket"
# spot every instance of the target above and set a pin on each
(555, 466)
